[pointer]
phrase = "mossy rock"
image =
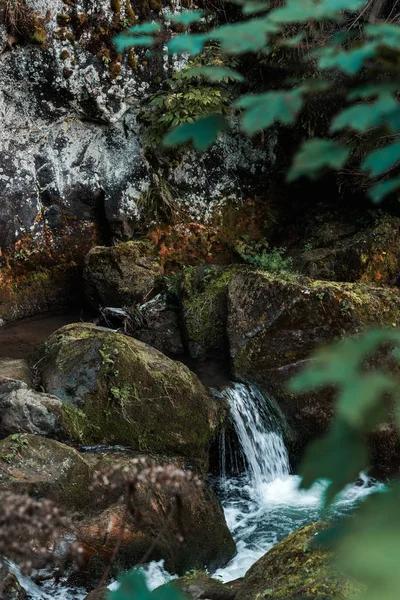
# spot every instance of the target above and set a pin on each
(371, 255)
(43, 468)
(275, 325)
(123, 275)
(204, 293)
(296, 569)
(197, 585)
(118, 390)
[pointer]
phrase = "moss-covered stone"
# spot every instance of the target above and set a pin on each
(30, 464)
(296, 569)
(371, 255)
(197, 585)
(122, 275)
(275, 325)
(119, 390)
(205, 310)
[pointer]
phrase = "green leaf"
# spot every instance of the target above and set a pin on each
(133, 587)
(186, 17)
(249, 36)
(203, 132)
(263, 110)
(315, 155)
(350, 61)
(215, 74)
(254, 6)
(382, 159)
(187, 43)
(382, 189)
(363, 117)
(369, 550)
(372, 89)
(124, 41)
(300, 11)
(339, 457)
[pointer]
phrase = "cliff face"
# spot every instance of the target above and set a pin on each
(72, 165)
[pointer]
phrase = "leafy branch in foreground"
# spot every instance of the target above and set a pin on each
(322, 39)
(368, 545)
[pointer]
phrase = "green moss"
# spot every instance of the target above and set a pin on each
(75, 424)
(205, 306)
(132, 394)
(296, 568)
(129, 13)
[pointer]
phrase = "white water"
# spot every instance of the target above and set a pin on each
(262, 505)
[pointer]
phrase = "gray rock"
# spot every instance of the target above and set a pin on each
(161, 326)
(22, 410)
(16, 368)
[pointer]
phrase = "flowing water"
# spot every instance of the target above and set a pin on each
(262, 503)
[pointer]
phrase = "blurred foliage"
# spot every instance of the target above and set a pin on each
(369, 543)
(133, 587)
(357, 58)
(337, 46)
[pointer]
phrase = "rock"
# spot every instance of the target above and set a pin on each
(22, 410)
(10, 588)
(123, 275)
(295, 569)
(100, 594)
(200, 586)
(14, 368)
(118, 390)
(160, 327)
(371, 255)
(205, 310)
(40, 467)
(157, 527)
(274, 326)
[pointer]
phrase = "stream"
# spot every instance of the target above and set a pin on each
(262, 504)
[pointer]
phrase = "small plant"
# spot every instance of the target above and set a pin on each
(259, 255)
(186, 97)
(159, 202)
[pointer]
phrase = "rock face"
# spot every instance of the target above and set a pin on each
(116, 389)
(22, 410)
(73, 170)
(123, 275)
(371, 255)
(40, 467)
(274, 325)
(199, 586)
(295, 569)
(199, 519)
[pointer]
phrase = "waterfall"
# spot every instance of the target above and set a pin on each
(259, 432)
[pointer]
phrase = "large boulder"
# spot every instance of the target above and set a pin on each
(191, 534)
(295, 569)
(118, 390)
(23, 410)
(45, 468)
(123, 275)
(275, 325)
